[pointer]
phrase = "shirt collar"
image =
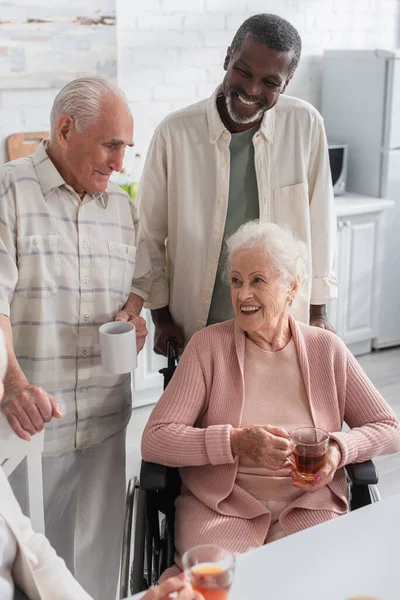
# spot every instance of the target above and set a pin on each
(50, 179)
(216, 126)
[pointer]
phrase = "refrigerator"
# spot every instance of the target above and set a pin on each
(361, 108)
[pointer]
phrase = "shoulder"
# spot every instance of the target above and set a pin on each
(183, 117)
(299, 108)
(322, 342)
(212, 338)
(113, 189)
(16, 170)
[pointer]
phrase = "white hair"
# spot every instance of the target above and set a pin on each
(3, 356)
(82, 99)
(283, 252)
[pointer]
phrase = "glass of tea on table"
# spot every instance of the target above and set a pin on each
(210, 569)
(309, 451)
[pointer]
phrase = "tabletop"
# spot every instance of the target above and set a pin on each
(353, 555)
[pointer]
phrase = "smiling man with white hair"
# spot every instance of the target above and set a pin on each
(69, 262)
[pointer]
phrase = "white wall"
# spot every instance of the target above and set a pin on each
(43, 45)
(170, 52)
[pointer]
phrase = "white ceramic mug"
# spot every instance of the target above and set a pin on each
(118, 347)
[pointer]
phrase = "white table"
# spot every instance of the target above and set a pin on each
(354, 555)
(12, 451)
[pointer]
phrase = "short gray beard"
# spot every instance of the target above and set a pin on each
(237, 118)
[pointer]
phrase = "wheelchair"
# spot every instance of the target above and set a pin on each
(150, 506)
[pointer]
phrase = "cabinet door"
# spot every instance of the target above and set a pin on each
(147, 383)
(358, 247)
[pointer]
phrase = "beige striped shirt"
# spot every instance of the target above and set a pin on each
(66, 267)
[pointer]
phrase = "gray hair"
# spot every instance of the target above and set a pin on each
(82, 99)
(274, 32)
(3, 356)
(283, 252)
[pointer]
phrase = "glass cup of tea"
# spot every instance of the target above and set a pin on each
(309, 451)
(210, 569)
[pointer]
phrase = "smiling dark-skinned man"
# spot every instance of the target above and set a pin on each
(248, 152)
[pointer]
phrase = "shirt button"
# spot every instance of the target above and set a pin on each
(86, 279)
(213, 137)
(224, 164)
(213, 261)
(206, 296)
(84, 353)
(221, 200)
(225, 136)
(86, 317)
(218, 232)
(84, 244)
(199, 327)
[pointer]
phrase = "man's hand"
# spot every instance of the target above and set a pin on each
(318, 317)
(174, 585)
(28, 408)
(166, 328)
(140, 326)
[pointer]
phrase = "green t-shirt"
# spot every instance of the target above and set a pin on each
(243, 206)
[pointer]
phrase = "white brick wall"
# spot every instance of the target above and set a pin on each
(175, 48)
(170, 54)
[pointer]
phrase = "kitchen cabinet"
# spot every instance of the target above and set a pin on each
(358, 266)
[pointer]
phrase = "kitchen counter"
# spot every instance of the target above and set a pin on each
(355, 204)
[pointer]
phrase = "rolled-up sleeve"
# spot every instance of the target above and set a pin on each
(323, 219)
(153, 213)
(143, 273)
(8, 253)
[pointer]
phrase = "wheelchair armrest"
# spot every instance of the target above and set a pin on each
(153, 477)
(363, 473)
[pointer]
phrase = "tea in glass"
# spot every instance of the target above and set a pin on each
(309, 451)
(210, 570)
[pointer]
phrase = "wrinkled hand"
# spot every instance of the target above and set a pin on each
(140, 326)
(267, 446)
(324, 475)
(28, 408)
(174, 584)
(161, 335)
(323, 323)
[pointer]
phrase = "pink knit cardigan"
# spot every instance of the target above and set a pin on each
(190, 425)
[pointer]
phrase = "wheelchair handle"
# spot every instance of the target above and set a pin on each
(172, 351)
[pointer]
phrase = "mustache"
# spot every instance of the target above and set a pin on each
(237, 90)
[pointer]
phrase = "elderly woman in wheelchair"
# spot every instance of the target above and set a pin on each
(239, 390)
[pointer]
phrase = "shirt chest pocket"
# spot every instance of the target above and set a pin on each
(39, 265)
(292, 210)
(122, 268)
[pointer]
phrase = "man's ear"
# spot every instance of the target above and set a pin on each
(285, 86)
(64, 127)
(227, 58)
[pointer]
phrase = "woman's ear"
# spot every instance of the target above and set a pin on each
(295, 287)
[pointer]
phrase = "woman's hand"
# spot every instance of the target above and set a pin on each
(177, 585)
(324, 475)
(265, 445)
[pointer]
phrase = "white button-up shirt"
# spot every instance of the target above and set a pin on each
(66, 267)
(183, 198)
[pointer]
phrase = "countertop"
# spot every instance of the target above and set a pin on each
(356, 204)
